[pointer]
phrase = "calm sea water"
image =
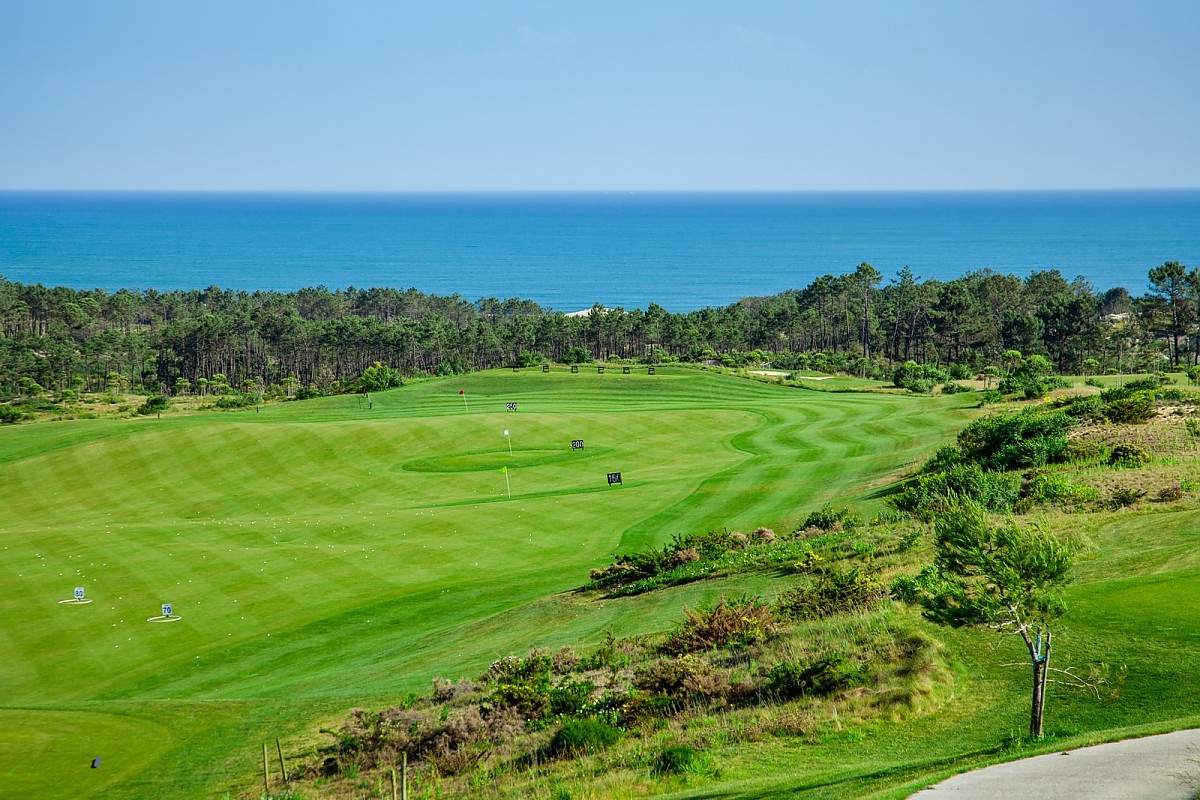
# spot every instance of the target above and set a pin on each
(568, 251)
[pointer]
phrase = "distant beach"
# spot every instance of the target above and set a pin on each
(569, 251)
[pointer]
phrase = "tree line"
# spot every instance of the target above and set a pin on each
(216, 340)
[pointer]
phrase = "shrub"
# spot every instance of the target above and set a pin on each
(521, 684)
(670, 676)
(1031, 378)
(918, 378)
(583, 736)
(928, 494)
(571, 697)
(991, 396)
(564, 661)
(1028, 438)
(155, 404)
(959, 372)
(764, 535)
(955, 388)
(676, 760)
(1169, 494)
(1132, 410)
(307, 393)
(1082, 451)
(788, 681)
(10, 415)
(733, 623)
(1128, 455)
(1123, 497)
(378, 377)
(1090, 408)
(236, 400)
(1045, 488)
(828, 518)
(834, 593)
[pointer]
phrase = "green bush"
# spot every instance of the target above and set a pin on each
(1124, 496)
(1090, 408)
(1028, 438)
(237, 400)
(788, 681)
(991, 396)
(1128, 455)
(670, 676)
(733, 623)
(571, 697)
(960, 372)
(1083, 451)
(829, 517)
(155, 404)
(677, 760)
(1049, 488)
(1131, 410)
(583, 736)
(834, 593)
(10, 415)
(378, 377)
(918, 378)
(928, 494)
(955, 388)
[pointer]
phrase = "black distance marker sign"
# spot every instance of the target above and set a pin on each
(614, 477)
(577, 444)
(510, 406)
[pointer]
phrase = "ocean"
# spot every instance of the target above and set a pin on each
(569, 251)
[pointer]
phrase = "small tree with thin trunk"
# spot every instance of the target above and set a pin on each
(1006, 578)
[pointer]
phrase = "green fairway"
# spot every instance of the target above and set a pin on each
(326, 553)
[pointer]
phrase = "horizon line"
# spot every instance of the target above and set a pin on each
(94, 190)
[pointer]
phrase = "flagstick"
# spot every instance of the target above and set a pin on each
(506, 436)
(507, 485)
(465, 406)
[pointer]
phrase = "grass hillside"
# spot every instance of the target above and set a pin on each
(330, 553)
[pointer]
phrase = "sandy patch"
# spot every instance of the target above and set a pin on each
(774, 373)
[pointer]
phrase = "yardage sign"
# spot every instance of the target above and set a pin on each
(516, 369)
(576, 444)
(78, 592)
(600, 370)
(624, 370)
(650, 371)
(574, 368)
(614, 477)
(166, 609)
(545, 367)
(510, 406)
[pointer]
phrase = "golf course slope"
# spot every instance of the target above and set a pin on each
(341, 551)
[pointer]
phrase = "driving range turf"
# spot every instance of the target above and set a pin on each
(337, 552)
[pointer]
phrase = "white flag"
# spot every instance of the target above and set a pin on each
(506, 432)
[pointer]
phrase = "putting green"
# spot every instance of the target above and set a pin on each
(324, 554)
(497, 459)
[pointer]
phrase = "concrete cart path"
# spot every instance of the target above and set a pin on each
(1135, 769)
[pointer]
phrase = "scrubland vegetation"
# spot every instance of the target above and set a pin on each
(752, 613)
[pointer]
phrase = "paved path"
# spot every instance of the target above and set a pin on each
(1135, 769)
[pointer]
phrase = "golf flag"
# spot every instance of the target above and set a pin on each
(462, 391)
(504, 470)
(506, 431)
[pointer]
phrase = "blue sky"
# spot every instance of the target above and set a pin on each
(520, 95)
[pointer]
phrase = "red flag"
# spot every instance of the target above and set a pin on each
(460, 391)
